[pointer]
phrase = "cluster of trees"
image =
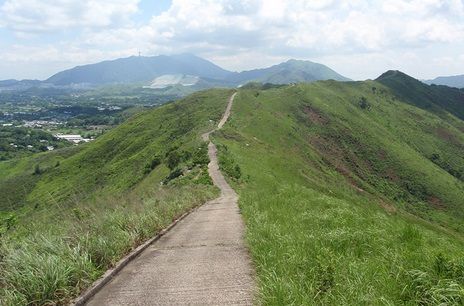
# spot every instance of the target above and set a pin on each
(18, 141)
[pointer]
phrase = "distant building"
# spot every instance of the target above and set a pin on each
(72, 138)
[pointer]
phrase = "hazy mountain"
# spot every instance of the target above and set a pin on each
(138, 69)
(166, 70)
(452, 81)
(292, 71)
(146, 69)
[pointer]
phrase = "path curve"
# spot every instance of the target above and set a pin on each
(201, 261)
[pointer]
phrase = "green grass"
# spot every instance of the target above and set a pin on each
(352, 194)
(344, 202)
(87, 206)
(54, 263)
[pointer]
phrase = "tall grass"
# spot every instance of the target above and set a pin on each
(314, 249)
(56, 262)
(337, 198)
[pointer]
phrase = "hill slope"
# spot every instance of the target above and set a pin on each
(68, 215)
(351, 194)
(292, 71)
(452, 81)
(438, 99)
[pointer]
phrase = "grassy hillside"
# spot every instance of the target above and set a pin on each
(438, 99)
(68, 215)
(351, 193)
(117, 161)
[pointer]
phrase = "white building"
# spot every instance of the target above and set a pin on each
(72, 138)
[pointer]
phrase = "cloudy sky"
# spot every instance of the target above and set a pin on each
(358, 38)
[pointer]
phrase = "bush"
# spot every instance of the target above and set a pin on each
(200, 156)
(37, 170)
(173, 159)
(156, 161)
(174, 174)
(364, 104)
(227, 163)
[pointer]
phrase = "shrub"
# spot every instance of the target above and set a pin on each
(156, 161)
(37, 170)
(173, 159)
(364, 104)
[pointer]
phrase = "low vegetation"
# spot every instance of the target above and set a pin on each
(20, 141)
(352, 195)
(54, 263)
(70, 214)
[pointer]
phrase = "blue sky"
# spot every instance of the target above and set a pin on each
(358, 38)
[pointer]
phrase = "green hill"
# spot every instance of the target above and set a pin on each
(352, 193)
(117, 161)
(438, 99)
(68, 215)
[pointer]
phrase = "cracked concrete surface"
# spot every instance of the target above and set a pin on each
(201, 261)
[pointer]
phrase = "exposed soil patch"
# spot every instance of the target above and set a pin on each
(382, 155)
(315, 115)
(436, 202)
(347, 174)
(448, 136)
(391, 175)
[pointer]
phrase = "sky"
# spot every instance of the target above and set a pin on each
(360, 39)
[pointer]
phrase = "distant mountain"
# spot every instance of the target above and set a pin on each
(18, 85)
(159, 72)
(138, 69)
(452, 81)
(436, 99)
(292, 71)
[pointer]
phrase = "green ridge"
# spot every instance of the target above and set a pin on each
(351, 195)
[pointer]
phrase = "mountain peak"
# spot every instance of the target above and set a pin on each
(393, 74)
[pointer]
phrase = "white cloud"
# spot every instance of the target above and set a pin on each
(243, 34)
(56, 15)
(307, 27)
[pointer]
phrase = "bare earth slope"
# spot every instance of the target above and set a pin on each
(203, 260)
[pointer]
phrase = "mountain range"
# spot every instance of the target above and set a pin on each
(163, 71)
(451, 81)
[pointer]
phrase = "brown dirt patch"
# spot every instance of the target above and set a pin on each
(448, 136)
(391, 175)
(347, 174)
(315, 115)
(436, 202)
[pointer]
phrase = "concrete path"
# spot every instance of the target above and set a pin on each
(201, 261)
